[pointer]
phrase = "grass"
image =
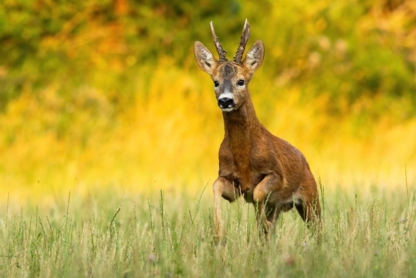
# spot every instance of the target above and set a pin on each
(110, 233)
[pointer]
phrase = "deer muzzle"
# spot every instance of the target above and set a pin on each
(226, 102)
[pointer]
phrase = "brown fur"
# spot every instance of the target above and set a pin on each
(266, 170)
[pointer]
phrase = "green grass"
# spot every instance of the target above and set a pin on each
(105, 234)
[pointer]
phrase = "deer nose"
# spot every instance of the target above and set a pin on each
(226, 102)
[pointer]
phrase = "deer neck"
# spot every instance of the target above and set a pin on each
(242, 127)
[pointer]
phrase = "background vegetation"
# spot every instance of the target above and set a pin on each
(107, 92)
(103, 99)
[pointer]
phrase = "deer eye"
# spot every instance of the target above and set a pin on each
(216, 83)
(240, 82)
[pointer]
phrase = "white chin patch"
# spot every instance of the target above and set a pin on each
(227, 109)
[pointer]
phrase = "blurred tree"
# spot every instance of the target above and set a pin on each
(345, 50)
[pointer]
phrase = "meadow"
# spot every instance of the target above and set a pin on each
(108, 234)
(109, 137)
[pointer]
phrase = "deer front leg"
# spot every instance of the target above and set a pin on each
(262, 192)
(222, 188)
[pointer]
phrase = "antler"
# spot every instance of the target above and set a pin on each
(221, 52)
(244, 39)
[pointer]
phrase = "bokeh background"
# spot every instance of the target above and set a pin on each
(106, 93)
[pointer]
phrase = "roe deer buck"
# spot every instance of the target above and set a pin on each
(266, 170)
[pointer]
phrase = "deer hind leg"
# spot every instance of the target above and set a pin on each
(310, 212)
(266, 215)
(222, 188)
(308, 206)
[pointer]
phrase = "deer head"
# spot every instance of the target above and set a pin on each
(231, 78)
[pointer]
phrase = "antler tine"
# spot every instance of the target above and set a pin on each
(221, 52)
(244, 39)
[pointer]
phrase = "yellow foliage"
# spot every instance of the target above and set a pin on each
(169, 138)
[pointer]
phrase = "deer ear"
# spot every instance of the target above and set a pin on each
(206, 61)
(254, 57)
